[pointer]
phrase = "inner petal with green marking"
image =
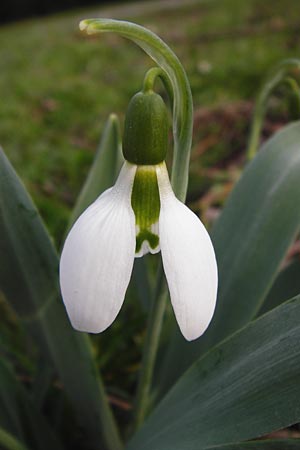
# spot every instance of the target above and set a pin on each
(145, 203)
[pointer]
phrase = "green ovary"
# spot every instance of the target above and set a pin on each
(145, 203)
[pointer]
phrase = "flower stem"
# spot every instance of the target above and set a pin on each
(150, 349)
(150, 79)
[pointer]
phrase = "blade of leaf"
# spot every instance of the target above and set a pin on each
(105, 168)
(29, 280)
(244, 388)
(286, 285)
(42, 382)
(251, 238)
(268, 444)
(9, 412)
(19, 416)
(10, 442)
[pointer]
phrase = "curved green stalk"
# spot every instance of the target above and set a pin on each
(150, 79)
(283, 73)
(182, 105)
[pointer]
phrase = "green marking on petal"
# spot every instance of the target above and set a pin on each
(146, 235)
(145, 203)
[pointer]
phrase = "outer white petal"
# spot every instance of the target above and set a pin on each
(189, 262)
(97, 257)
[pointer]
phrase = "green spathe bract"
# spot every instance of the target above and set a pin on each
(145, 203)
(145, 139)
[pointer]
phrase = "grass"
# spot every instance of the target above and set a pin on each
(58, 87)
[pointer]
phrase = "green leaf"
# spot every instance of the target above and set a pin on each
(9, 442)
(9, 411)
(258, 224)
(105, 168)
(182, 100)
(286, 285)
(19, 416)
(244, 388)
(29, 280)
(283, 73)
(256, 229)
(42, 382)
(140, 283)
(278, 444)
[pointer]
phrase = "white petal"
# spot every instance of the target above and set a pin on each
(97, 257)
(189, 262)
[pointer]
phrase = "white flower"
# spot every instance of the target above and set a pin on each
(140, 213)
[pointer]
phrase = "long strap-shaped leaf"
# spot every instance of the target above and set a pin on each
(104, 170)
(28, 278)
(183, 107)
(279, 444)
(251, 238)
(286, 285)
(19, 417)
(244, 388)
(9, 442)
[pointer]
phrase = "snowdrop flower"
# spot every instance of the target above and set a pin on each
(138, 215)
